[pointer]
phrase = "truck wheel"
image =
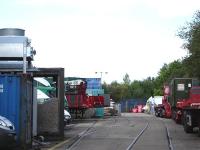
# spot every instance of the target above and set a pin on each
(156, 114)
(199, 127)
(174, 115)
(186, 121)
(178, 119)
(187, 129)
(163, 113)
(199, 132)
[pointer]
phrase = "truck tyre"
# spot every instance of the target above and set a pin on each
(156, 114)
(199, 127)
(199, 131)
(187, 128)
(173, 114)
(177, 118)
(177, 121)
(162, 113)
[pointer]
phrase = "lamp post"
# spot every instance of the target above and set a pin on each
(101, 73)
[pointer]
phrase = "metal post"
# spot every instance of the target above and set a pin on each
(24, 57)
(101, 73)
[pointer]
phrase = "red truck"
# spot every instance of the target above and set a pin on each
(187, 109)
(182, 103)
(77, 99)
(164, 110)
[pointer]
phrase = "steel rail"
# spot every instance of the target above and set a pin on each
(137, 137)
(82, 135)
(87, 132)
(169, 139)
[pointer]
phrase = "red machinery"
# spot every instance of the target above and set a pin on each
(181, 101)
(188, 110)
(137, 109)
(96, 101)
(164, 109)
(76, 95)
(77, 98)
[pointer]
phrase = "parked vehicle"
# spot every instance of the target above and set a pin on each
(138, 109)
(164, 109)
(67, 117)
(7, 133)
(78, 99)
(111, 110)
(135, 109)
(183, 103)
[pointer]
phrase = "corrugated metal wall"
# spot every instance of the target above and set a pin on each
(10, 99)
(94, 87)
(127, 105)
(16, 105)
(93, 83)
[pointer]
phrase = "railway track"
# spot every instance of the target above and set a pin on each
(86, 132)
(169, 139)
(137, 137)
(131, 146)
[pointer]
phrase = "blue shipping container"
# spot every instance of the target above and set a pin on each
(16, 105)
(10, 99)
(95, 92)
(93, 83)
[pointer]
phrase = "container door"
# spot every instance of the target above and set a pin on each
(10, 99)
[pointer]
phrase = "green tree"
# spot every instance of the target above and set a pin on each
(148, 86)
(190, 33)
(129, 90)
(175, 69)
(136, 89)
(125, 87)
(114, 89)
(126, 79)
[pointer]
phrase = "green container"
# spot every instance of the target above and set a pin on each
(99, 112)
(179, 89)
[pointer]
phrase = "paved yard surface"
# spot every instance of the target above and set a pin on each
(117, 133)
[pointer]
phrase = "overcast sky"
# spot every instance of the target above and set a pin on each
(115, 36)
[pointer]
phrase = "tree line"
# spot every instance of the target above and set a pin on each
(189, 66)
